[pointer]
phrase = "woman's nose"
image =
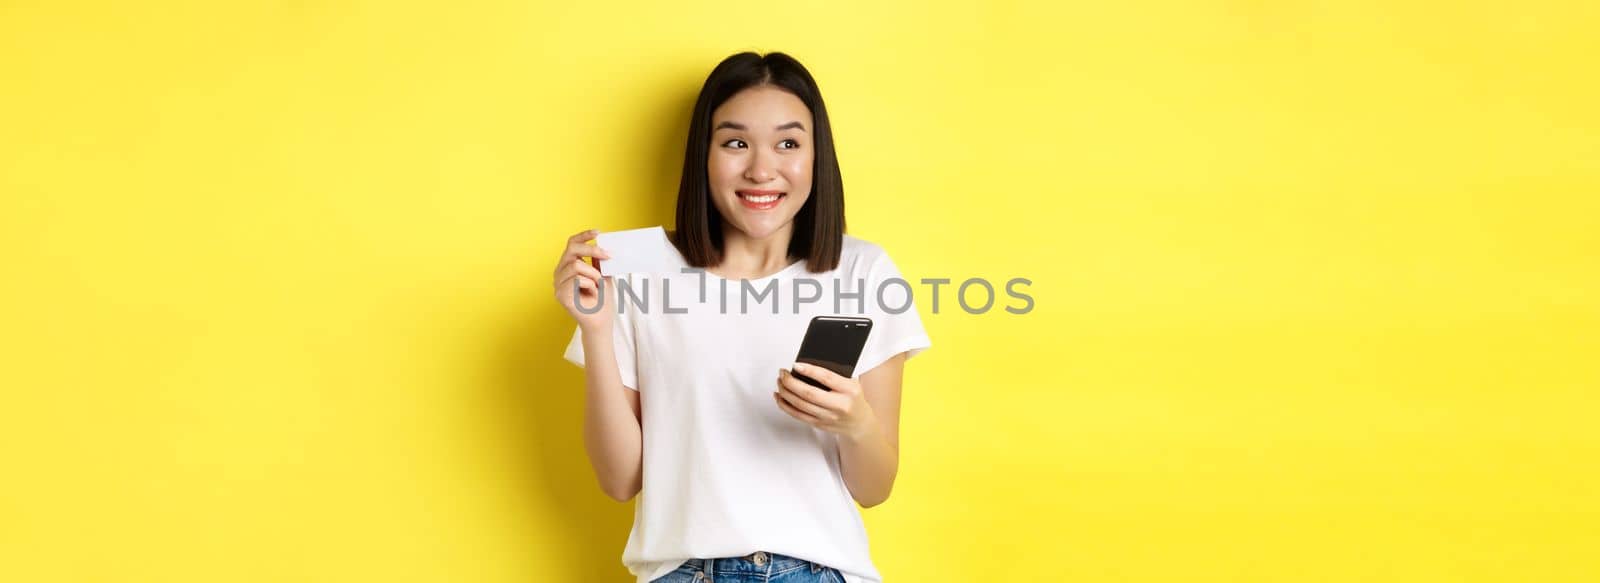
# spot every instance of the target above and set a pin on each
(760, 169)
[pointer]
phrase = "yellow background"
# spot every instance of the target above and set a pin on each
(1316, 283)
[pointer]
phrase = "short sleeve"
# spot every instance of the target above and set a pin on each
(896, 326)
(622, 339)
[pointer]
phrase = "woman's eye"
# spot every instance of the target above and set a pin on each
(738, 143)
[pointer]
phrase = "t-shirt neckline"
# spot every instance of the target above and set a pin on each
(772, 275)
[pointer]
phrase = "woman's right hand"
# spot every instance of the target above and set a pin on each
(572, 268)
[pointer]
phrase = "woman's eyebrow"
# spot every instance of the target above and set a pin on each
(741, 127)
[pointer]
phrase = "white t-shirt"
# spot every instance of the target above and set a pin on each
(726, 472)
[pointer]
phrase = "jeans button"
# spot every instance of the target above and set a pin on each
(760, 558)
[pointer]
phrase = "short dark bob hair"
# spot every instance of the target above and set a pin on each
(818, 235)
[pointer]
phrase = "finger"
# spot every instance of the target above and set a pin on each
(804, 391)
(794, 412)
(801, 370)
(586, 277)
(804, 406)
(578, 237)
(567, 270)
(576, 250)
(564, 289)
(587, 250)
(827, 377)
(586, 269)
(578, 267)
(581, 281)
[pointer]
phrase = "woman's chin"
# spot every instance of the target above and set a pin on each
(762, 228)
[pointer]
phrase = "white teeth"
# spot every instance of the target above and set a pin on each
(760, 199)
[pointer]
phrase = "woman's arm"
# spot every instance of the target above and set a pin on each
(871, 458)
(864, 414)
(611, 429)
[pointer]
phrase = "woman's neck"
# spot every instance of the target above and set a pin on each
(746, 258)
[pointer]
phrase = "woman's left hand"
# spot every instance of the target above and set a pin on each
(843, 411)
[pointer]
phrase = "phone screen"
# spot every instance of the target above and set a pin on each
(834, 343)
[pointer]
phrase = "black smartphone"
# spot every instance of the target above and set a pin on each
(833, 343)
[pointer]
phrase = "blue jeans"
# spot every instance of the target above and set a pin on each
(757, 567)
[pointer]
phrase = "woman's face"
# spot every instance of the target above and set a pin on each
(760, 160)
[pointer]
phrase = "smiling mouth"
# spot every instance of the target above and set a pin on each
(760, 199)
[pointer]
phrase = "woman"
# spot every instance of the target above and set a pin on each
(736, 485)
